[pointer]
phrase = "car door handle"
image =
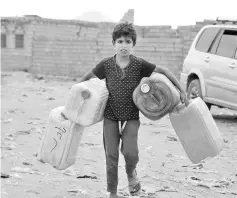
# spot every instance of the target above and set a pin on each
(207, 59)
(232, 65)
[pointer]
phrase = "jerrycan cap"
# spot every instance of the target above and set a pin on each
(145, 88)
(85, 94)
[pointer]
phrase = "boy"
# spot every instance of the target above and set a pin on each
(123, 73)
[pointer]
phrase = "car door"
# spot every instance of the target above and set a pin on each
(222, 81)
(203, 58)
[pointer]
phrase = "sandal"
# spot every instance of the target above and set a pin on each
(134, 185)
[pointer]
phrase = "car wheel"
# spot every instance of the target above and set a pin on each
(194, 91)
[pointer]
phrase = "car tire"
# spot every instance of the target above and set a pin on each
(194, 91)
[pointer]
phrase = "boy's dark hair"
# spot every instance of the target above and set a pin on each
(124, 29)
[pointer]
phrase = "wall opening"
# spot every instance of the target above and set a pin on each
(19, 41)
(3, 40)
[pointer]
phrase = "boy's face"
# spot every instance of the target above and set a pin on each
(123, 45)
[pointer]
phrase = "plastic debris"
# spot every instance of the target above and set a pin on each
(203, 185)
(225, 140)
(3, 193)
(12, 183)
(9, 146)
(39, 77)
(87, 177)
(172, 138)
(233, 192)
(148, 190)
(87, 144)
(195, 178)
(22, 132)
(149, 149)
(26, 170)
(78, 191)
(70, 172)
(9, 138)
(16, 175)
(33, 122)
(210, 183)
(155, 132)
(33, 191)
(35, 154)
(169, 155)
(123, 192)
(220, 183)
(22, 170)
(205, 171)
(10, 155)
(166, 189)
(180, 157)
(194, 166)
(7, 121)
(27, 163)
(4, 175)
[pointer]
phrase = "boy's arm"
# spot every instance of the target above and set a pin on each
(87, 76)
(98, 72)
(173, 79)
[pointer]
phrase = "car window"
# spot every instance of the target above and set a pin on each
(228, 43)
(206, 39)
(215, 43)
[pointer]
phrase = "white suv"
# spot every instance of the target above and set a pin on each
(210, 68)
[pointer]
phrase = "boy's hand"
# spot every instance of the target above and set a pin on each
(183, 98)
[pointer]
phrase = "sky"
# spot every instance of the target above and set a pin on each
(147, 12)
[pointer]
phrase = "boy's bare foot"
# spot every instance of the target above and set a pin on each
(114, 195)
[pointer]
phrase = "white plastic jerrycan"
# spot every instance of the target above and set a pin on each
(86, 102)
(61, 141)
(197, 130)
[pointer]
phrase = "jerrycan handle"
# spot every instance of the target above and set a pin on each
(85, 95)
(180, 106)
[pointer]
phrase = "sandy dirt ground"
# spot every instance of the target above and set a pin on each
(164, 169)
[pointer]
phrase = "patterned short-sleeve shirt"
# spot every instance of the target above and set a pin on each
(121, 83)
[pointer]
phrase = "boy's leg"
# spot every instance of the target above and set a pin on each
(111, 138)
(130, 147)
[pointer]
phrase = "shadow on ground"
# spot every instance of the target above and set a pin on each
(226, 118)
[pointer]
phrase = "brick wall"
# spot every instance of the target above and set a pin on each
(70, 48)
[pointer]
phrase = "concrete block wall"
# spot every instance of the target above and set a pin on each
(75, 53)
(160, 45)
(66, 57)
(70, 47)
(16, 58)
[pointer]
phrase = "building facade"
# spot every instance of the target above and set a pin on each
(72, 47)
